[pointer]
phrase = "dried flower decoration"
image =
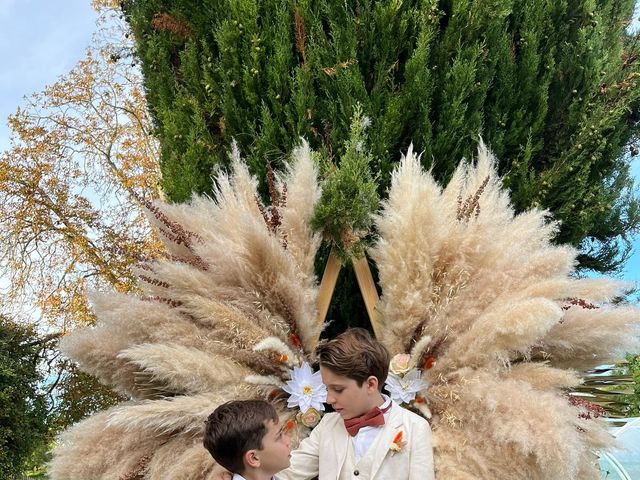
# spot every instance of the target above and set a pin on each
(398, 444)
(154, 281)
(295, 341)
(471, 206)
(310, 418)
(173, 232)
(404, 388)
(281, 352)
(404, 380)
(138, 472)
(400, 364)
(579, 303)
(591, 409)
(271, 215)
(306, 389)
(429, 362)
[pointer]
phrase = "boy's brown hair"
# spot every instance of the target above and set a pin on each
(355, 354)
(236, 427)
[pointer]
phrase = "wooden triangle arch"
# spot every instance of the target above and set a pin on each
(365, 282)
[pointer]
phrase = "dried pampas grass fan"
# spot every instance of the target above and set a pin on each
(478, 298)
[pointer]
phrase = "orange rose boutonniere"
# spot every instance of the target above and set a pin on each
(398, 444)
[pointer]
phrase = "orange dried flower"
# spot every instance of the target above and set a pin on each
(273, 393)
(397, 444)
(428, 362)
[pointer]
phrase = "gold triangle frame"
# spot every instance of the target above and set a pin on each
(365, 282)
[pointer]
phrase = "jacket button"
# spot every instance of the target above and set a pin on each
(356, 472)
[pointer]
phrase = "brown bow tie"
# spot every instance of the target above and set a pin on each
(373, 418)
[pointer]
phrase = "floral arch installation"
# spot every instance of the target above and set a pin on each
(491, 323)
(365, 283)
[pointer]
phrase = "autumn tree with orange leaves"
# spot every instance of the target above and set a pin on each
(68, 219)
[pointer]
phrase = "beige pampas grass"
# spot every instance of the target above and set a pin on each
(540, 376)
(418, 350)
(479, 297)
(128, 320)
(223, 315)
(94, 450)
(585, 338)
(182, 458)
(185, 413)
(196, 372)
(287, 356)
(303, 193)
(487, 305)
(264, 380)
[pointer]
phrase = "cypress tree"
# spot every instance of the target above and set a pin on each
(552, 87)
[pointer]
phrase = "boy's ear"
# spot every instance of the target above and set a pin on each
(251, 459)
(372, 383)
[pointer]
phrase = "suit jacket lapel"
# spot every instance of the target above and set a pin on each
(339, 439)
(383, 441)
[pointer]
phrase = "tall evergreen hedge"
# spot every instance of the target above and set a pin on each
(552, 86)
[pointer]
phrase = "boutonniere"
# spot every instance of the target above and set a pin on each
(398, 444)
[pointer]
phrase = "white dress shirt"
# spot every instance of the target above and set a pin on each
(240, 477)
(366, 435)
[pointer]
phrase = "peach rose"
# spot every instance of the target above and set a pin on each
(310, 418)
(400, 364)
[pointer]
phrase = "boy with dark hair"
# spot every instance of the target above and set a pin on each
(369, 436)
(245, 438)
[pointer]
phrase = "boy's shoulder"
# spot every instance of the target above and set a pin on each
(412, 417)
(329, 419)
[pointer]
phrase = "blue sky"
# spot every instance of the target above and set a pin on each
(632, 268)
(43, 39)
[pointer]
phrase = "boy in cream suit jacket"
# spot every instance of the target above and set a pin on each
(369, 437)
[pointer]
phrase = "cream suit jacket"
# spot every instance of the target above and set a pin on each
(324, 452)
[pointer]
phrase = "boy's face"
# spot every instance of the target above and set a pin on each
(346, 397)
(275, 453)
